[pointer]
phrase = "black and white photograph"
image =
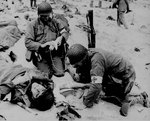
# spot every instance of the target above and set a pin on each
(74, 60)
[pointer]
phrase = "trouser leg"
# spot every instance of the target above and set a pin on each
(58, 66)
(111, 88)
(35, 3)
(117, 88)
(121, 19)
(131, 100)
(118, 19)
(43, 66)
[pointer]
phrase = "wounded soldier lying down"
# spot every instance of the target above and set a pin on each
(27, 86)
(31, 88)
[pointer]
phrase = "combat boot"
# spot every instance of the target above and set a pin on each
(132, 100)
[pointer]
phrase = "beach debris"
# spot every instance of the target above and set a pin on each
(137, 49)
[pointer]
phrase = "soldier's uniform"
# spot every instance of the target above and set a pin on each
(116, 73)
(123, 7)
(45, 60)
(22, 92)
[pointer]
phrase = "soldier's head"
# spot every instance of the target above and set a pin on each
(77, 55)
(40, 91)
(44, 99)
(45, 11)
(42, 96)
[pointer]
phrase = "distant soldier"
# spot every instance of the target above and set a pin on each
(122, 8)
(33, 3)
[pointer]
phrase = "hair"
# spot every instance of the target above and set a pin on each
(45, 101)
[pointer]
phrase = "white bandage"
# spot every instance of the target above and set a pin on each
(96, 79)
(62, 31)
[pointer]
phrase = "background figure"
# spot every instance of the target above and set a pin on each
(46, 41)
(110, 76)
(33, 3)
(122, 8)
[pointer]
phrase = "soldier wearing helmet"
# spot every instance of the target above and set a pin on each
(122, 8)
(106, 74)
(46, 41)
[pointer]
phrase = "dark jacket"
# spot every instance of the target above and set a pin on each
(102, 63)
(123, 5)
(20, 92)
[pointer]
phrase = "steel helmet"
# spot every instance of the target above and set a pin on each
(76, 53)
(44, 8)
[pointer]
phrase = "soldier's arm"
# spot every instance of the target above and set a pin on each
(97, 68)
(30, 42)
(63, 28)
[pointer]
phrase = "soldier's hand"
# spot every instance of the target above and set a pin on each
(56, 43)
(58, 40)
(46, 44)
(51, 47)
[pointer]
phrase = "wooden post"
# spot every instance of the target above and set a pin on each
(91, 33)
